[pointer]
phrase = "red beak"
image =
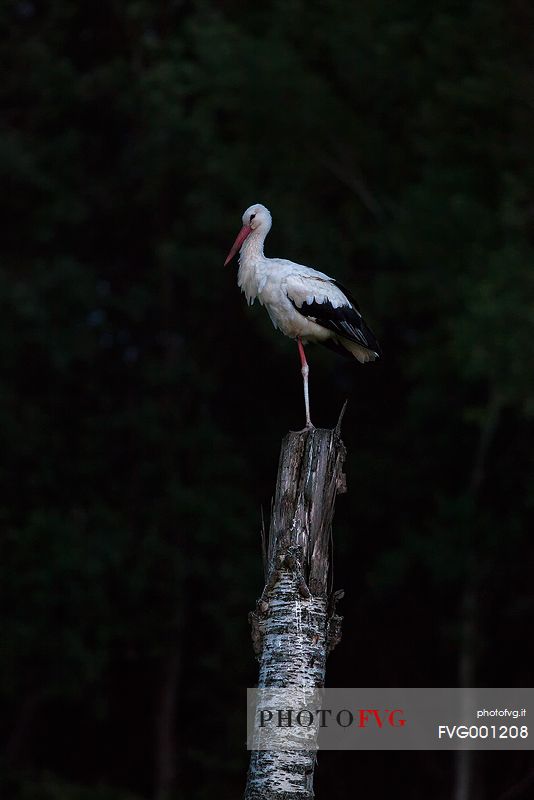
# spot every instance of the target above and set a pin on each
(241, 236)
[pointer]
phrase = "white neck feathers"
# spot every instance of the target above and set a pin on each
(252, 248)
(252, 263)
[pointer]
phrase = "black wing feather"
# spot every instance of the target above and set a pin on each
(345, 320)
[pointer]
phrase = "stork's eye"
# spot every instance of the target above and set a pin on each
(252, 217)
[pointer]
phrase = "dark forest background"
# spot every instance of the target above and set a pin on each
(142, 403)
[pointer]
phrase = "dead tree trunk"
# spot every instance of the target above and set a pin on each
(294, 625)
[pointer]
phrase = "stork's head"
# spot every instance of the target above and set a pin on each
(256, 218)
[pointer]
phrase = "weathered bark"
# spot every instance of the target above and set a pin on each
(294, 625)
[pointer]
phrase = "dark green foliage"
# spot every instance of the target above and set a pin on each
(142, 404)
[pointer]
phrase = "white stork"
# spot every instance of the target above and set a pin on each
(303, 303)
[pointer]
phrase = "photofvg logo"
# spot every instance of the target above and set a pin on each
(323, 717)
(303, 718)
(293, 718)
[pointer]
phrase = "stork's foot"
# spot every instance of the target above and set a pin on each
(309, 427)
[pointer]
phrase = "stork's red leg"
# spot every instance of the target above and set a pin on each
(305, 371)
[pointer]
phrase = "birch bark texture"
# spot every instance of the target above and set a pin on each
(295, 625)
